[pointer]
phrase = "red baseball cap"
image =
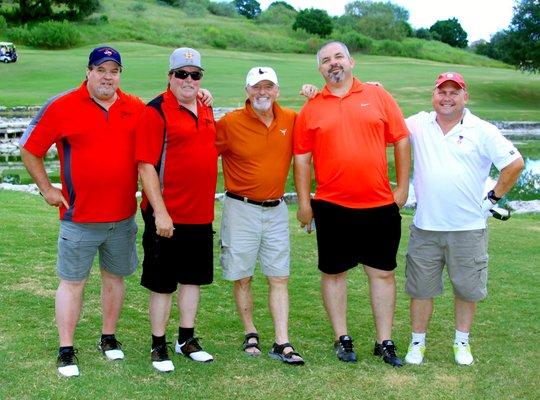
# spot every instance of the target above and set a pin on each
(451, 76)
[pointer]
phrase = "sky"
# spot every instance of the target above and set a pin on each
(479, 18)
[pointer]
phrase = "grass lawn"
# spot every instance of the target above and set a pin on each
(504, 338)
(496, 93)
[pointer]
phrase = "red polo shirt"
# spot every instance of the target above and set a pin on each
(347, 137)
(186, 162)
(96, 151)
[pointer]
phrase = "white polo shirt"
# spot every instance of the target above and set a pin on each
(450, 170)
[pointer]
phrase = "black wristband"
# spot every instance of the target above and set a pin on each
(492, 197)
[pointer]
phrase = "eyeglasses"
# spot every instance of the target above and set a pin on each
(181, 74)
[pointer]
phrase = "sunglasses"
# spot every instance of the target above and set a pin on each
(181, 74)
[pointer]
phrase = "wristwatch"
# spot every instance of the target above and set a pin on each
(491, 196)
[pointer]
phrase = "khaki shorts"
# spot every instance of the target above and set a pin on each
(463, 252)
(250, 232)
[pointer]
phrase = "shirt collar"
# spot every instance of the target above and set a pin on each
(355, 88)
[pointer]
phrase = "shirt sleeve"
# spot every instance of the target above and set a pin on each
(43, 130)
(396, 129)
(302, 138)
(497, 148)
(149, 136)
(221, 135)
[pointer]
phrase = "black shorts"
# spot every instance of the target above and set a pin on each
(347, 237)
(186, 257)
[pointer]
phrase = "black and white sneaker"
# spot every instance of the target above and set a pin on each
(111, 348)
(387, 350)
(67, 363)
(192, 349)
(344, 349)
(160, 358)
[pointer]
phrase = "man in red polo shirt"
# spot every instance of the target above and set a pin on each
(345, 130)
(177, 159)
(93, 128)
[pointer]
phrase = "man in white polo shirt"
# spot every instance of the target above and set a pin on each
(453, 154)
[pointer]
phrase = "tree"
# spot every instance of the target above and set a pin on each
(450, 32)
(315, 21)
(378, 20)
(523, 41)
(282, 4)
(223, 9)
(39, 10)
(248, 8)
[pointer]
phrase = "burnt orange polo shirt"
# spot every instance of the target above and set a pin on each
(347, 137)
(256, 158)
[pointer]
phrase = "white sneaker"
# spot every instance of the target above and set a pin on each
(111, 348)
(192, 349)
(462, 354)
(415, 353)
(67, 363)
(160, 359)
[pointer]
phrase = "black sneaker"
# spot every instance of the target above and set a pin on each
(160, 358)
(67, 363)
(344, 349)
(387, 350)
(111, 348)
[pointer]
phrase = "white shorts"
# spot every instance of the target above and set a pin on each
(249, 232)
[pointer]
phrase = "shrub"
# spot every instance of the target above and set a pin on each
(3, 24)
(314, 21)
(137, 7)
(98, 20)
(18, 34)
(355, 41)
(223, 9)
(53, 35)
(278, 14)
(389, 48)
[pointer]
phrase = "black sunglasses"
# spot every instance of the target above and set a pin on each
(181, 74)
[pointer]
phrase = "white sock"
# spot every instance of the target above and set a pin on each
(419, 338)
(462, 337)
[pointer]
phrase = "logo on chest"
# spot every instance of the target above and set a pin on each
(283, 131)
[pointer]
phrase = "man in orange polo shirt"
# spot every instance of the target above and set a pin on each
(255, 143)
(345, 130)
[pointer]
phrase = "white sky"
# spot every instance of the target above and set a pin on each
(479, 18)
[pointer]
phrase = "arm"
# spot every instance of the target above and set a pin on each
(152, 189)
(508, 177)
(302, 181)
(53, 196)
(402, 158)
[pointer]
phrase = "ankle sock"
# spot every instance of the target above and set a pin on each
(107, 335)
(419, 338)
(63, 349)
(158, 341)
(462, 337)
(185, 333)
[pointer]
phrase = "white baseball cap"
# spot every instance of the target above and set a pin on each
(257, 74)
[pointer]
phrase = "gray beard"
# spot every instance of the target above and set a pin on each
(264, 105)
(336, 77)
(105, 92)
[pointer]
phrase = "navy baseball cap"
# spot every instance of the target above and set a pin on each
(101, 54)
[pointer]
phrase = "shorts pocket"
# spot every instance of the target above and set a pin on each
(71, 235)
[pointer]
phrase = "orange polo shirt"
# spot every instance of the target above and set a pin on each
(256, 158)
(347, 137)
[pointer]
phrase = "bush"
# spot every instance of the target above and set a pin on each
(98, 20)
(223, 9)
(278, 14)
(355, 41)
(18, 34)
(137, 7)
(194, 9)
(3, 25)
(389, 48)
(314, 21)
(53, 35)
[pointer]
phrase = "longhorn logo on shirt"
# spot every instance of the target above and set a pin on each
(283, 131)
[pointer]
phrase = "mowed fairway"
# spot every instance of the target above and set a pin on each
(496, 94)
(504, 338)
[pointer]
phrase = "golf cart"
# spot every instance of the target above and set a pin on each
(8, 53)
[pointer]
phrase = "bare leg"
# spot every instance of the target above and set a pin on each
(68, 305)
(334, 292)
(464, 314)
(112, 299)
(382, 287)
(160, 309)
(188, 304)
(244, 305)
(421, 312)
(278, 301)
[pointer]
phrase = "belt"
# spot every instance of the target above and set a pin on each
(265, 203)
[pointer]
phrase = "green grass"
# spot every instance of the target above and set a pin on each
(495, 93)
(503, 339)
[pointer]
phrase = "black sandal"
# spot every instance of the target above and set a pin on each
(247, 345)
(277, 353)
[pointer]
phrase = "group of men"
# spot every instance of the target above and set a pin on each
(106, 138)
